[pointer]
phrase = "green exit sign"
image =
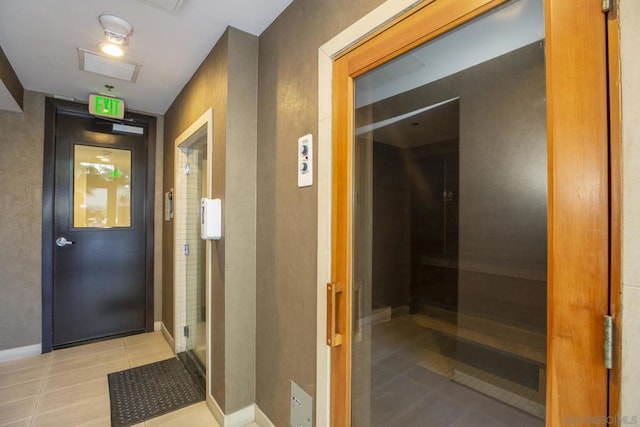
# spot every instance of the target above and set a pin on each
(100, 105)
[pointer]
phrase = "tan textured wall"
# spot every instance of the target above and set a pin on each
(630, 57)
(287, 215)
(227, 82)
(21, 137)
(240, 221)
(206, 89)
(502, 146)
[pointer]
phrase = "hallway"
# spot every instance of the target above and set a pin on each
(269, 78)
(69, 387)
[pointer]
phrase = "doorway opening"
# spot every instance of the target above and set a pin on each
(449, 231)
(97, 224)
(193, 172)
(488, 277)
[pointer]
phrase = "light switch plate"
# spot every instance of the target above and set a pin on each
(301, 407)
(305, 161)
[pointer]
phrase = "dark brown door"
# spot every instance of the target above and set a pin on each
(99, 283)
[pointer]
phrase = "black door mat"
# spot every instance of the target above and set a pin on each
(148, 391)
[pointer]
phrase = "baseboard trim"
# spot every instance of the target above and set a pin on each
(261, 419)
(215, 410)
(157, 326)
(168, 336)
(20, 352)
(239, 418)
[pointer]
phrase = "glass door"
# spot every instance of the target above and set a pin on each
(196, 311)
(450, 229)
(460, 290)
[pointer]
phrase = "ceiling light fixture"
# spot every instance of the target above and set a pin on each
(116, 38)
(116, 32)
(116, 29)
(111, 49)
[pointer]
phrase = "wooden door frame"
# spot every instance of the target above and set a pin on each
(52, 108)
(574, 208)
(615, 177)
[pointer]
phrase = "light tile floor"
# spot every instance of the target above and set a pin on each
(69, 387)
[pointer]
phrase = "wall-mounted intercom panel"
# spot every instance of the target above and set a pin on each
(305, 161)
(210, 219)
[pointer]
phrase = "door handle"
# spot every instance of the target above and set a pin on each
(333, 339)
(62, 241)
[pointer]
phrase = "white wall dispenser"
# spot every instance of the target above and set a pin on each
(210, 219)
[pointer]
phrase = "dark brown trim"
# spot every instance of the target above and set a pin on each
(150, 218)
(52, 107)
(48, 174)
(10, 80)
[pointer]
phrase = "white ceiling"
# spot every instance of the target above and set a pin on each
(504, 30)
(513, 26)
(41, 39)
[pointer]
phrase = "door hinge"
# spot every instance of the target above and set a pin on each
(186, 331)
(608, 342)
(186, 250)
(187, 169)
(606, 6)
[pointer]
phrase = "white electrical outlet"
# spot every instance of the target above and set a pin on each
(301, 407)
(305, 161)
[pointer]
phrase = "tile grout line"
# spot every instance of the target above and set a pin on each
(126, 352)
(90, 354)
(23, 381)
(44, 379)
(63, 373)
(46, 375)
(74, 404)
(71, 371)
(78, 369)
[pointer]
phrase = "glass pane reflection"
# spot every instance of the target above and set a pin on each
(450, 229)
(101, 187)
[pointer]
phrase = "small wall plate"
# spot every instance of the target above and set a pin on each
(301, 407)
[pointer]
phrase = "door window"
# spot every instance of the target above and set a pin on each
(101, 187)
